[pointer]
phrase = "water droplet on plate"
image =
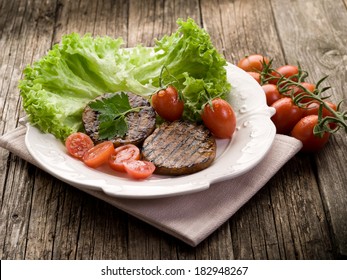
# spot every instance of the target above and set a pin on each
(243, 109)
(246, 123)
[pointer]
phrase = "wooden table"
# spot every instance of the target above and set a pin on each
(300, 214)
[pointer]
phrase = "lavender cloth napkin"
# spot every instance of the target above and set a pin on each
(190, 218)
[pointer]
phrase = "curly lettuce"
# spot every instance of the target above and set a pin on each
(56, 88)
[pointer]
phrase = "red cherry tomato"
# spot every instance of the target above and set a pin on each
(139, 169)
(167, 104)
(303, 131)
(287, 71)
(295, 90)
(256, 76)
(312, 109)
(272, 93)
(253, 63)
(219, 118)
(286, 116)
(78, 143)
(99, 154)
(123, 154)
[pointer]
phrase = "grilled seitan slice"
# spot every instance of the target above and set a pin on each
(180, 148)
(140, 124)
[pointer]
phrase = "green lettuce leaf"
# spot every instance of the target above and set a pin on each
(56, 88)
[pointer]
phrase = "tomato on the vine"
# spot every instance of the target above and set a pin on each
(167, 104)
(99, 154)
(122, 154)
(253, 63)
(78, 143)
(287, 71)
(313, 108)
(219, 117)
(256, 76)
(272, 93)
(295, 90)
(303, 131)
(286, 116)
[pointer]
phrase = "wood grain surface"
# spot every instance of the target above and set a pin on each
(300, 214)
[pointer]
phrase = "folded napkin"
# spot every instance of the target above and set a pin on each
(193, 217)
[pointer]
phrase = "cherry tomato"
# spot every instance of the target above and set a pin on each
(255, 75)
(312, 109)
(99, 154)
(139, 169)
(303, 131)
(252, 63)
(219, 118)
(167, 104)
(78, 143)
(123, 154)
(297, 90)
(286, 71)
(272, 93)
(286, 116)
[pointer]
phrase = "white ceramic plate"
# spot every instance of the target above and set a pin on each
(251, 141)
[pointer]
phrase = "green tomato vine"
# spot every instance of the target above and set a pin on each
(287, 85)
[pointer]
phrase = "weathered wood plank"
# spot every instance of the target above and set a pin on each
(67, 221)
(309, 232)
(42, 225)
(238, 29)
(320, 38)
(75, 16)
(15, 214)
(112, 19)
(102, 232)
(150, 19)
(21, 43)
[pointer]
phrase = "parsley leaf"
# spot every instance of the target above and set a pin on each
(112, 115)
(110, 129)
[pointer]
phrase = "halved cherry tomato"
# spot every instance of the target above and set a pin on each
(99, 154)
(123, 154)
(287, 71)
(219, 118)
(78, 143)
(139, 169)
(303, 131)
(286, 116)
(167, 104)
(256, 76)
(272, 93)
(253, 63)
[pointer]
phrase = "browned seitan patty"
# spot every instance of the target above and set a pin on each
(140, 124)
(180, 148)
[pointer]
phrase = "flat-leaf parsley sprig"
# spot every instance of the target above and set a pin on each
(112, 111)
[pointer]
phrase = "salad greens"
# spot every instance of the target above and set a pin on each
(56, 88)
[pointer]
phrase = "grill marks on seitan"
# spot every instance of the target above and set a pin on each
(140, 124)
(180, 148)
